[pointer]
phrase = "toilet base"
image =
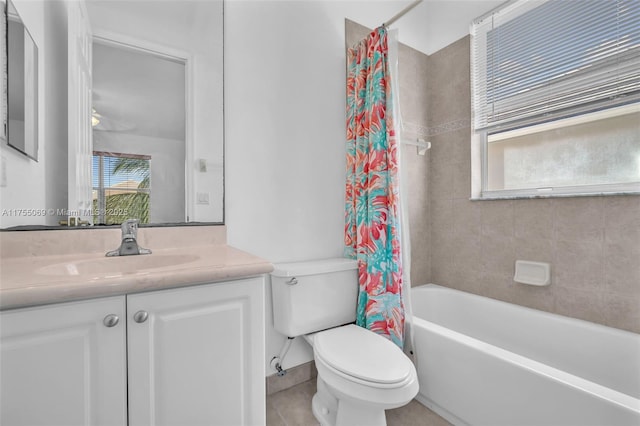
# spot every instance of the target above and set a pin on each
(324, 405)
(350, 414)
(329, 411)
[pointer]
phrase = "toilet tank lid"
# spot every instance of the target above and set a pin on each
(313, 267)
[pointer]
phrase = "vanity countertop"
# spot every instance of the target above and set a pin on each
(38, 280)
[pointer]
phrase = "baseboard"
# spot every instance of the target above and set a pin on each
(294, 376)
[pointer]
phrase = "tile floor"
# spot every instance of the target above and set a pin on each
(292, 407)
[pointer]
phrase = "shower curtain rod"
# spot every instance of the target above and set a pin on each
(401, 13)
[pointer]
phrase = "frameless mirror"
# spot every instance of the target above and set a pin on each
(133, 125)
(22, 90)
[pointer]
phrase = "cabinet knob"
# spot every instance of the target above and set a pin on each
(111, 320)
(140, 316)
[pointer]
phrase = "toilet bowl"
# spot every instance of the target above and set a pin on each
(360, 373)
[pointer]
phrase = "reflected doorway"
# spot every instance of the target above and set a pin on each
(139, 135)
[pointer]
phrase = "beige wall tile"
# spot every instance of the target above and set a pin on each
(496, 285)
(461, 180)
(497, 218)
(413, 107)
(441, 180)
(468, 262)
(536, 250)
(498, 254)
(422, 74)
(420, 234)
(622, 221)
(441, 212)
(467, 218)
(441, 152)
(622, 269)
(579, 265)
(579, 219)
(541, 298)
(442, 268)
(411, 91)
(533, 219)
(421, 270)
(449, 91)
(582, 304)
(457, 146)
(622, 311)
(467, 256)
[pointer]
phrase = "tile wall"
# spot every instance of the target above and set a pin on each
(592, 243)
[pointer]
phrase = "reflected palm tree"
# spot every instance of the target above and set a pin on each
(128, 203)
(134, 166)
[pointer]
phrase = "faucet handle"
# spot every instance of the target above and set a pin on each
(129, 244)
(130, 228)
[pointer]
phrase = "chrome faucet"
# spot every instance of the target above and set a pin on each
(129, 245)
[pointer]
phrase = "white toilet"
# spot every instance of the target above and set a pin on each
(360, 374)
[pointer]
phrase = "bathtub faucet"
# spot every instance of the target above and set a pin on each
(129, 244)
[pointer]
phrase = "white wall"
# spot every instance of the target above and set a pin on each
(285, 131)
(208, 113)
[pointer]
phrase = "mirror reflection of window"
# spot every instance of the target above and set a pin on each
(121, 187)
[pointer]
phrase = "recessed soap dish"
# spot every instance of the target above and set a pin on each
(532, 273)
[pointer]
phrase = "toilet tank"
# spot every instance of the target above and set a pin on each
(314, 295)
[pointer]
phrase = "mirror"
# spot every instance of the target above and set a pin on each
(161, 120)
(22, 90)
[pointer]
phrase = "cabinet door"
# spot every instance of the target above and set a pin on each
(61, 365)
(198, 357)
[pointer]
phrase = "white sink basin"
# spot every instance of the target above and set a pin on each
(117, 265)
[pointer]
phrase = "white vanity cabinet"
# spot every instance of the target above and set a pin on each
(196, 355)
(61, 365)
(184, 356)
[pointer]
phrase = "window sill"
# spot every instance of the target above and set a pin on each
(494, 196)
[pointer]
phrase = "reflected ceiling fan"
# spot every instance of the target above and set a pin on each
(104, 123)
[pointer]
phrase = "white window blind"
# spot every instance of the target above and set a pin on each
(121, 172)
(121, 187)
(536, 61)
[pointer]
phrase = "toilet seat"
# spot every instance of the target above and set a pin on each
(361, 356)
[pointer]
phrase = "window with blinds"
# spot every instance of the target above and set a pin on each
(121, 187)
(556, 95)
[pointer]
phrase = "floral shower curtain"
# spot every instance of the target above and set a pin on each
(372, 210)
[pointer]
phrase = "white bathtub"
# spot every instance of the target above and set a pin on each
(485, 362)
